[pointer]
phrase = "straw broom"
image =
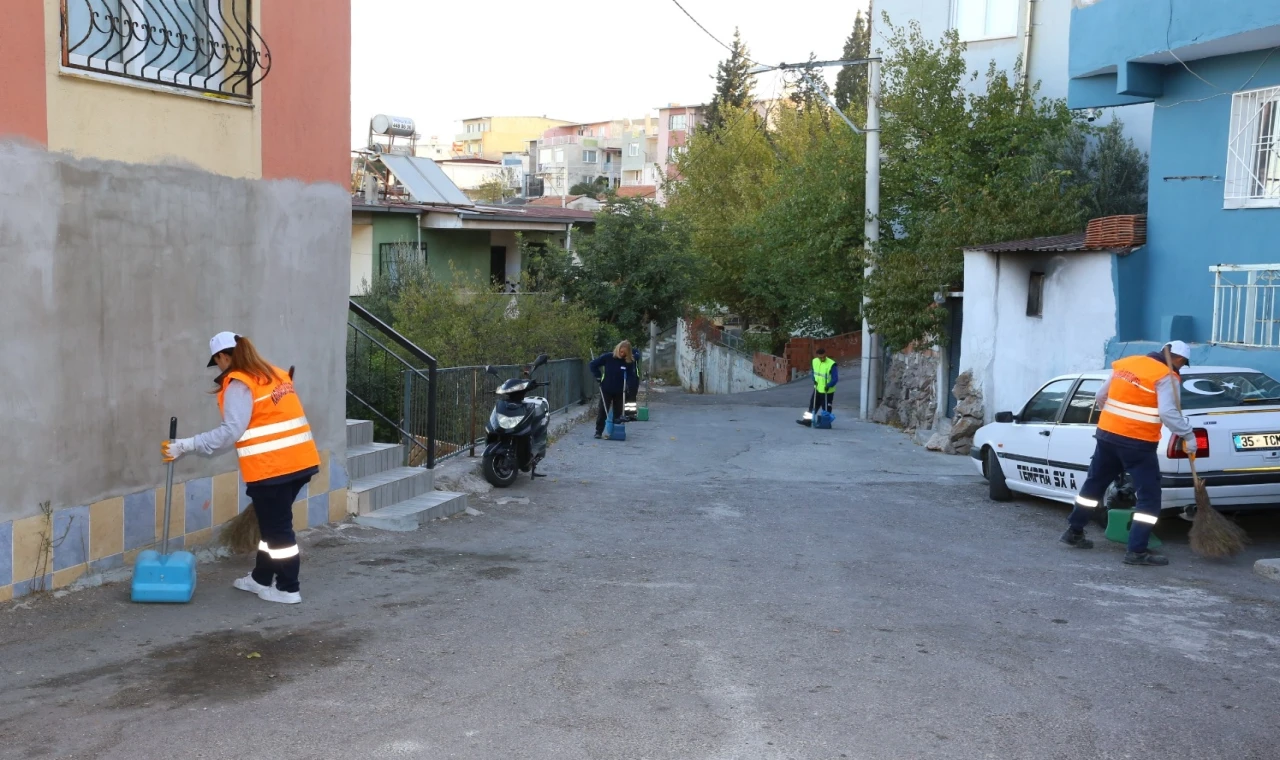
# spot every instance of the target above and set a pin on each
(242, 534)
(1212, 534)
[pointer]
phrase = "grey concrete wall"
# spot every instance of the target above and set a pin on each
(114, 276)
(719, 369)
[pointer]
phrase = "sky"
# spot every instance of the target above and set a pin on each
(439, 62)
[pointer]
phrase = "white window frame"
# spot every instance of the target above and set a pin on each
(559, 156)
(681, 119)
(590, 157)
(1253, 177)
(633, 150)
(967, 35)
(133, 57)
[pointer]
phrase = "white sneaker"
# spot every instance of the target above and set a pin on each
(274, 594)
(247, 583)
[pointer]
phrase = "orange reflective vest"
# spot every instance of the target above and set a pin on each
(1131, 409)
(278, 441)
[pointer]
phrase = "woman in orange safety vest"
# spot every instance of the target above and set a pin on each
(263, 418)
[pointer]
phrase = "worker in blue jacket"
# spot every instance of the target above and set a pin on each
(615, 371)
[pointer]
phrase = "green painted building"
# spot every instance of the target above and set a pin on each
(477, 240)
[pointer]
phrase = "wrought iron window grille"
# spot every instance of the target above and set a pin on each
(208, 46)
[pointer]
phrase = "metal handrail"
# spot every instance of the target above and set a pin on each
(432, 376)
(396, 426)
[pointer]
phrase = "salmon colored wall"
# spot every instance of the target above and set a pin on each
(306, 100)
(23, 109)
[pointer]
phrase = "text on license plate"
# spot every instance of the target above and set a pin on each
(1252, 441)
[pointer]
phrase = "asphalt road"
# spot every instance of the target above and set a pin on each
(725, 585)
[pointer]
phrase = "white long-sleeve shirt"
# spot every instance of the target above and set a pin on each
(1167, 391)
(237, 409)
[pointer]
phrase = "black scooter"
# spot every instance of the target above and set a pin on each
(516, 435)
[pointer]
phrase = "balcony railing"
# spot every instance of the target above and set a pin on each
(208, 46)
(1246, 305)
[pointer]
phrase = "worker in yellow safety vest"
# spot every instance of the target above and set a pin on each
(1140, 397)
(263, 419)
(826, 373)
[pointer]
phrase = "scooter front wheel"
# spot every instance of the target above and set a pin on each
(500, 470)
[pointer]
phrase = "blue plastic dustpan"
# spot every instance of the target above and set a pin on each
(159, 576)
(164, 577)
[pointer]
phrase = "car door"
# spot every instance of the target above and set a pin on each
(1071, 444)
(1024, 453)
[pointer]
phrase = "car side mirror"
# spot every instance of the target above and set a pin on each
(1005, 417)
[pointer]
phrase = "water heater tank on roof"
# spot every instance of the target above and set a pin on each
(395, 126)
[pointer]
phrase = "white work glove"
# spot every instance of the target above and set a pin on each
(1189, 445)
(172, 451)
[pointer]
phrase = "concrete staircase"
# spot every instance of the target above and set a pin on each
(384, 494)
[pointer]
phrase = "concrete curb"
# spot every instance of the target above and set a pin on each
(1268, 568)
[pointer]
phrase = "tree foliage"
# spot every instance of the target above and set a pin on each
(470, 322)
(494, 190)
(733, 83)
(636, 267)
(851, 82)
(960, 169)
(596, 187)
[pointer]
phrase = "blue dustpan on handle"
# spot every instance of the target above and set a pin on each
(161, 576)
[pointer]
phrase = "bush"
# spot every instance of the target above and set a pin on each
(470, 322)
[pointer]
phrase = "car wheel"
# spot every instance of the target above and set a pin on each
(997, 488)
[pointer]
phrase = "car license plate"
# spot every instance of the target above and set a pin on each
(1257, 441)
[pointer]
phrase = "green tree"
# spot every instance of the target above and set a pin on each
(959, 169)
(636, 267)
(596, 187)
(494, 190)
(851, 82)
(808, 95)
(733, 84)
(722, 184)
(1110, 169)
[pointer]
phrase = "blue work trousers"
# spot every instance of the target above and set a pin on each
(1109, 461)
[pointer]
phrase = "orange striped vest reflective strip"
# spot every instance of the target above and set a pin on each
(1132, 409)
(278, 441)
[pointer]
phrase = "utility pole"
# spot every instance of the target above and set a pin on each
(871, 351)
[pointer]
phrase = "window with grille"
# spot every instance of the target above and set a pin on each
(400, 259)
(204, 45)
(1253, 155)
(679, 122)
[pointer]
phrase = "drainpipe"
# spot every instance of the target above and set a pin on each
(1026, 47)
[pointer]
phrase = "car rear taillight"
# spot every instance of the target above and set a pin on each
(1202, 445)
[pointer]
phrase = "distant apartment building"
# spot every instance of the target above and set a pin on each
(675, 124)
(489, 137)
(574, 153)
(641, 160)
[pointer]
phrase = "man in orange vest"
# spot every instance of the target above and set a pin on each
(1139, 399)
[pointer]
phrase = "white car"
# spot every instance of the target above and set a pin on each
(1044, 449)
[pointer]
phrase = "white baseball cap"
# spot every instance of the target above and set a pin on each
(223, 341)
(1178, 348)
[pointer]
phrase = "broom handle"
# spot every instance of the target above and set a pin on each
(168, 487)
(1177, 402)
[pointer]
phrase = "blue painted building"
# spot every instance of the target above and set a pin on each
(1212, 69)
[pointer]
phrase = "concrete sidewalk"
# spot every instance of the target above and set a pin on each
(725, 584)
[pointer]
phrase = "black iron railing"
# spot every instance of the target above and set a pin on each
(395, 382)
(209, 46)
(467, 395)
